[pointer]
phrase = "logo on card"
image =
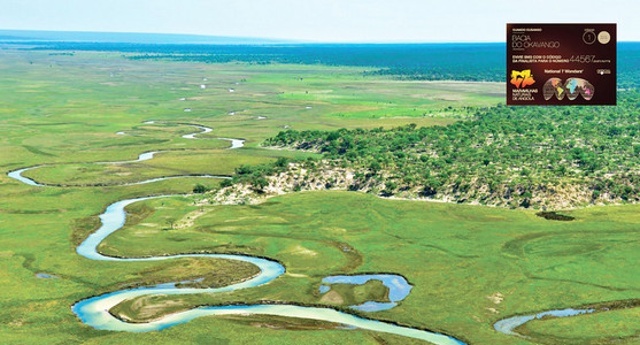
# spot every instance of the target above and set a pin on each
(521, 79)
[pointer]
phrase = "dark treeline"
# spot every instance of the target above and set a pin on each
(506, 155)
(471, 62)
(476, 62)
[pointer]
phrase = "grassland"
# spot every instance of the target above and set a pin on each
(63, 113)
(470, 265)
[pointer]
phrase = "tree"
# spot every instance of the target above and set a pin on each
(282, 162)
(171, 222)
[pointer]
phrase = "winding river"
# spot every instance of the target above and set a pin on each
(507, 326)
(145, 156)
(94, 311)
(203, 130)
(235, 143)
(17, 174)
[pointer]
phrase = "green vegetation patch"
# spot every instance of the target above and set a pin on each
(352, 294)
(506, 156)
(185, 273)
(555, 216)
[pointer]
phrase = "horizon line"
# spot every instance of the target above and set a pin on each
(267, 40)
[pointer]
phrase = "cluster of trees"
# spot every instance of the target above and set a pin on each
(255, 175)
(505, 155)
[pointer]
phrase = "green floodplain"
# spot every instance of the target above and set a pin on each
(470, 266)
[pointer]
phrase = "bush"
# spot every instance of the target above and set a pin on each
(200, 188)
(226, 183)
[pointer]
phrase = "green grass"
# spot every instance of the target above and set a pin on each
(351, 295)
(63, 112)
(455, 256)
(601, 328)
(218, 163)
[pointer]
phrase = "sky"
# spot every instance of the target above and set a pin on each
(318, 20)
